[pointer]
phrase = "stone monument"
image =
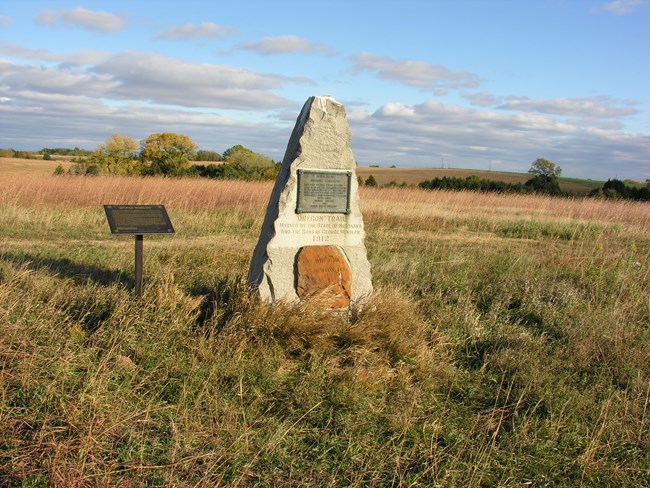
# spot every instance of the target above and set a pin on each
(312, 239)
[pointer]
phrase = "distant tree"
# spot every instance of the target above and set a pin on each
(545, 177)
(23, 154)
(618, 186)
(543, 167)
(59, 170)
(615, 189)
(544, 184)
(203, 155)
(117, 155)
(167, 154)
(234, 149)
(253, 165)
(473, 183)
(371, 181)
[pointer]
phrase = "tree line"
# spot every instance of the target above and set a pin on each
(171, 154)
(544, 180)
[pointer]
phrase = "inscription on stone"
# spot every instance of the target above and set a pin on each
(308, 229)
(323, 273)
(323, 191)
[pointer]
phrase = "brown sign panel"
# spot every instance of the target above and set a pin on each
(322, 191)
(138, 219)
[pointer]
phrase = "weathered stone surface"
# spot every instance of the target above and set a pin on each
(320, 141)
(323, 273)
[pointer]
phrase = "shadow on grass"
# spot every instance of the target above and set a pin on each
(67, 268)
(219, 301)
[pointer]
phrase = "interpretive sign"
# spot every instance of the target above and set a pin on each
(323, 191)
(138, 219)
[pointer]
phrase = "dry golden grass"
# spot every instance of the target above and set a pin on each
(73, 191)
(411, 204)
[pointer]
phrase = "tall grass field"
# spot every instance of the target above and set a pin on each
(507, 344)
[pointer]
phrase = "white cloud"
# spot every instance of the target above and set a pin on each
(148, 77)
(160, 79)
(79, 98)
(482, 99)
(469, 138)
(19, 79)
(85, 56)
(594, 107)
(81, 17)
(205, 30)
(285, 45)
(71, 120)
(418, 74)
(620, 7)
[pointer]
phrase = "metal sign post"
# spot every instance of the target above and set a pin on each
(138, 220)
(139, 240)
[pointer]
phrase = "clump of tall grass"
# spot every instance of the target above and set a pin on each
(153, 389)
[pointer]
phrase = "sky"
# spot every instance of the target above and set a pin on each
(464, 84)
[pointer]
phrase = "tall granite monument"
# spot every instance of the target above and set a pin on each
(312, 239)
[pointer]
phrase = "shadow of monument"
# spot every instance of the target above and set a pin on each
(219, 301)
(66, 268)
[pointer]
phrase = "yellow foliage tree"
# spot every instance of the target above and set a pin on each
(167, 153)
(117, 155)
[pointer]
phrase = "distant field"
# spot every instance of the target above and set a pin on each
(413, 176)
(16, 166)
(410, 176)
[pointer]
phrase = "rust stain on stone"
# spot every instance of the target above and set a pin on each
(323, 273)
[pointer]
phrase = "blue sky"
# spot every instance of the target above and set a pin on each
(469, 84)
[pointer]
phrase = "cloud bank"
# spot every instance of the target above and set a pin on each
(418, 74)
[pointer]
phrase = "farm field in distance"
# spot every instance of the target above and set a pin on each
(413, 176)
(383, 175)
(507, 343)
(18, 166)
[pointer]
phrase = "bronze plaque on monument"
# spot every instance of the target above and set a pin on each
(323, 272)
(138, 219)
(323, 191)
